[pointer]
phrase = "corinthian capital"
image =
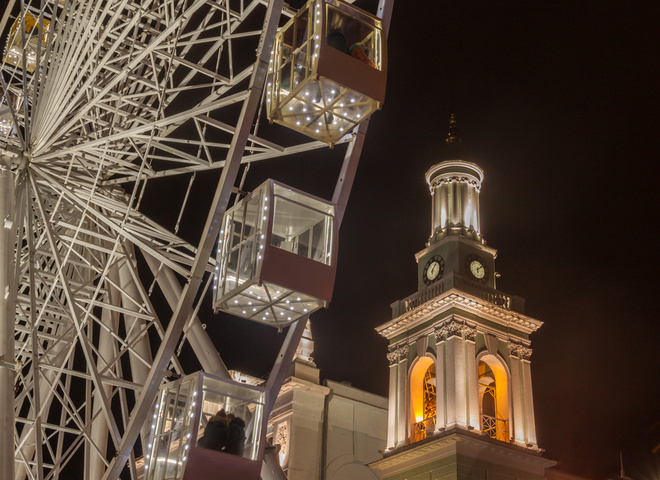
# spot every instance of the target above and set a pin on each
(519, 350)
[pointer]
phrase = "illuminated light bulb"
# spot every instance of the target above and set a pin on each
(154, 416)
(191, 415)
(251, 292)
(333, 91)
(320, 123)
(278, 292)
(288, 301)
(352, 100)
(341, 104)
(254, 309)
(188, 436)
(298, 299)
(235, 301)
(341, 129)
(318, 21)
(281, 313)
(249, 303)
(288, 318)
(261, 247)
(298, 123)
(243, 312)
(329, 100)
(290, 308)
(316, 55)
(304, 109)
(304, 310)
(335, 122)
(259, 257)
(290, 108)
(306, 94)
(266, 207)
(317, 130)
(185, 458)
(266, 313)
(269, 84)
(308, 119)
(258, 298)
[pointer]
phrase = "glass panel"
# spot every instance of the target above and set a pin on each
(241, 242)
(299, 228)
(171, 432)
(353, 37)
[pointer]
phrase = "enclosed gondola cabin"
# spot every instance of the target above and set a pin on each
(179, 445)
(276, 258)
(36, 36)
(328, 70)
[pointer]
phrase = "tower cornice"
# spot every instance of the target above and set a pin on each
(489, 304)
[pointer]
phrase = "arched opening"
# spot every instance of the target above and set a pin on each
(422, 399)
(494, 398)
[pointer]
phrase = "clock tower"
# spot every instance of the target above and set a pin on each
(460, 397)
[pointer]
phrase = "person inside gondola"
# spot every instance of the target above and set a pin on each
(216, 434)
(236, 440)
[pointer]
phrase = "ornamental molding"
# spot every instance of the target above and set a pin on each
(519, 350)
(282, 439)
(397, 353)
(454, 298)
(453, 179)
(452, 327)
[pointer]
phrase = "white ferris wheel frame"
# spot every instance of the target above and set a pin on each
(87, 133)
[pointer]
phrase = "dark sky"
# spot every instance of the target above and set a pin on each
(559, 103)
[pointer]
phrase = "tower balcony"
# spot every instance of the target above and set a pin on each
(423, 429)
(495, 428)
(454, 281)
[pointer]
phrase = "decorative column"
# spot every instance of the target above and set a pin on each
(397, 413)
(524, 426)
(393, 397)
(7, 312)
(455, 379)
(440, 381)
(530, 423)
(472, 407)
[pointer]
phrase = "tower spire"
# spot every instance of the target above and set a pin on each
(452, 139)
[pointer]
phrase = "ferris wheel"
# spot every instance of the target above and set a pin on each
(103, 104)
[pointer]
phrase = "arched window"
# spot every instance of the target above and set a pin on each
(422, 399)
(494, 398)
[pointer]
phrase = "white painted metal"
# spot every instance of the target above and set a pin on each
(125, 94)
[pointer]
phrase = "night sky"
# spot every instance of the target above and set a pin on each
(558, 103)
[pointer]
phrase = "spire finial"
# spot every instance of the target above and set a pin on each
(452, 137)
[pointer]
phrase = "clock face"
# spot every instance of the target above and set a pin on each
(476, 267)
(433, 269)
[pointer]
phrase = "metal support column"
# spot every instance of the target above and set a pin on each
(7, 241)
